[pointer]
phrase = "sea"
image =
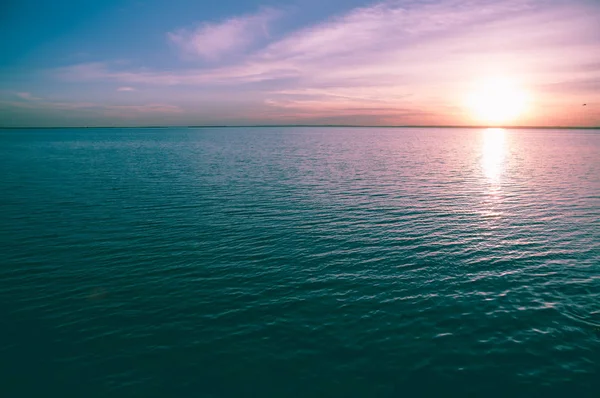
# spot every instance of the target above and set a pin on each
(299, 262)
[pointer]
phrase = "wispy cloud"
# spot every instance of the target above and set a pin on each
(125, 89)
(394, 57)
(231, 75)
(125, 111)
(27, 96)
(392, 43)
(121, 110)
(212, 41)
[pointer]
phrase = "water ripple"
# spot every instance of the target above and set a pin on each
(300, 262)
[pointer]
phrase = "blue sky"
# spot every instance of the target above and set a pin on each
(185, 62)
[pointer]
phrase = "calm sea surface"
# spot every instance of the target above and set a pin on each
(299, 262)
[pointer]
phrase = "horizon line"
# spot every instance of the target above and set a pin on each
(308, 125)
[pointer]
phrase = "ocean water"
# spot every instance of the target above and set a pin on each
(299, 262)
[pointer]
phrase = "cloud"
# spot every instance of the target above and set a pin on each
(27, 96)
(122, 110)
(387, 44)
(134, 111)
(393, 56)
(581, 88)
(232, 75)
(213, 41)
(60, 113)
(126, 88)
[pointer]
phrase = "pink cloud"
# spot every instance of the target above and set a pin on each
(125, 89)
(388, 57)
(212, 41)
(388, 44)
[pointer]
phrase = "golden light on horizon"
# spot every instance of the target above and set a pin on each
(497, 101)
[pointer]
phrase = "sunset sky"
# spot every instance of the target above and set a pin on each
(244, 62)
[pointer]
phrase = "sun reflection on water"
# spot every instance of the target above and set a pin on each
(492, 154)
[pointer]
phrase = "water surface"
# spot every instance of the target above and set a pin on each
(299, 262)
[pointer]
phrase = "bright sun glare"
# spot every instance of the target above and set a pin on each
(497, 101)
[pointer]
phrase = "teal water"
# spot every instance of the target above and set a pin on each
(299, 262)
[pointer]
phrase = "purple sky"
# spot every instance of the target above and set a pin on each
(377, 63)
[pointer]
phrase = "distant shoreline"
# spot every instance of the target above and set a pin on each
(310, 126)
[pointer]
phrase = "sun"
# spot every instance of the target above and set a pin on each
(497, 101)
